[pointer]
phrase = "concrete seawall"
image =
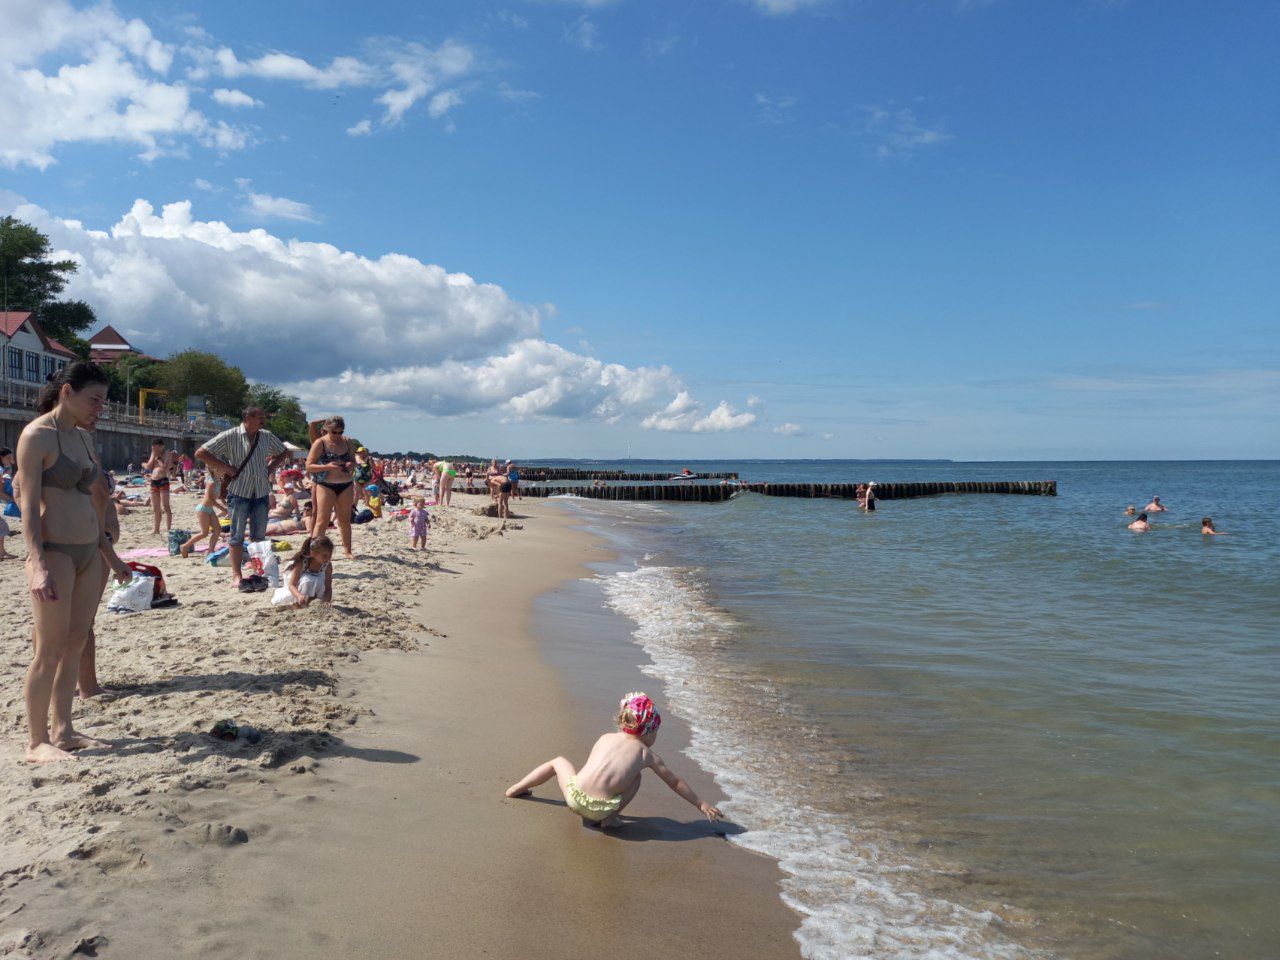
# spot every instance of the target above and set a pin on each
(118, 443)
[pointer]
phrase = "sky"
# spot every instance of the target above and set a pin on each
(976, 229)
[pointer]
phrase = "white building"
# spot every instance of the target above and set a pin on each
(31, 356)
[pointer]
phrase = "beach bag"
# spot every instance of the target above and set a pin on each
(219, 558)
(176, 539)
(363, 516)
(271, 570)
(147, 570)
(133, 597)
(11, 509)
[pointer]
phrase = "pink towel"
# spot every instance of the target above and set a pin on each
(145, 552)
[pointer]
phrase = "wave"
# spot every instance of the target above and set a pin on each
(851, 889)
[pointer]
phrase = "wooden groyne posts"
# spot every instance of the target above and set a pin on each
(572, 473)
(720, 492)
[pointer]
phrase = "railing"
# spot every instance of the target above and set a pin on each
(15, 394)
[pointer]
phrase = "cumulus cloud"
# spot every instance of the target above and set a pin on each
(107, 86)
(789, 430)
(354, 333)
(234, 98)
(685, 415)
(361, 129)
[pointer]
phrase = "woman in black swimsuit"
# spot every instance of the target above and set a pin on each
(332, 460)
(65, 543)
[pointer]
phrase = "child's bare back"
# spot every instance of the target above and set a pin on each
(614, 762)
(610, 778)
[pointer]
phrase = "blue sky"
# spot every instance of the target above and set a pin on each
(977, 230)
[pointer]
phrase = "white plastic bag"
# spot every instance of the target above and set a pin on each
(133, 597)
(259, 548)
(271, 570)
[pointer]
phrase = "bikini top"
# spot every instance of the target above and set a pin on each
(327, 457)
(66, 474)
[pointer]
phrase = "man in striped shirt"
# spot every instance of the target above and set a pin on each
(248, 494)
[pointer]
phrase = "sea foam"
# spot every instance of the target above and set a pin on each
(854, 896)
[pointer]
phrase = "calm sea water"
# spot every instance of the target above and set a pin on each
(983, 726)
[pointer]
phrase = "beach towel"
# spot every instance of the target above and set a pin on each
(147, 553)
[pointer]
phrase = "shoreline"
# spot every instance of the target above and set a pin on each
(395, 839)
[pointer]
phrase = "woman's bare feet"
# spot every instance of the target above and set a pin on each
(99, 692)
(511, 791)
(78, 741)
(348, 555)
(46, 753)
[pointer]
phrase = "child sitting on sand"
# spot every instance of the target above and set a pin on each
(610, 778)
(309, 575)
(419, 523)
(207, 511)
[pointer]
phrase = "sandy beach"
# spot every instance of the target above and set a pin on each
(368, 820)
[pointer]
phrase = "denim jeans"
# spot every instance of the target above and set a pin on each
(251, 510)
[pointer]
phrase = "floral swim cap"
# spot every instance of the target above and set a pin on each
(637, 715)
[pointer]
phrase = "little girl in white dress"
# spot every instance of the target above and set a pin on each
(309, 575)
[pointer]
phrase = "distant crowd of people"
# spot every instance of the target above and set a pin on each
(245, 478)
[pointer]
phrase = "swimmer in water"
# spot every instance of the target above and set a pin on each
(1206, 528)
(1140, 525)
(1130, 511)
(1155, 506)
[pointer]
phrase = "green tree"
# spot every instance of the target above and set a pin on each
(285, 416)
(195, 373)
(65, 320)
(130, 374)
(30, 280)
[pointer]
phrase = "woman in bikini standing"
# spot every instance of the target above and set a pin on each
(332, 463)
(158, 465)
(64, 538)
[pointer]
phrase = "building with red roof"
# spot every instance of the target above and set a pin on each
(30, 355)
(108, 345)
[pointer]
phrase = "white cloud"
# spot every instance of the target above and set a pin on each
(355, 333)
(781, 7)
(264, 206)
(443, 102)
(361, 129)
(775, 109)
(754, 401)
(685, 415)
(341, 71)
(234, 98)
(897, 133)
(832, 436)
(106, 85)
(584, 34)
(656, 47)
(789, 430)
(419, 71)
(201, 183)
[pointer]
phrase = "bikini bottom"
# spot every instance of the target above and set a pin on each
(338, 488)
(81, 554)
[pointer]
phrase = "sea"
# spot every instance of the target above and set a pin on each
(984, 726)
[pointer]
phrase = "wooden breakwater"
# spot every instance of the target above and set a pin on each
(543, 474)
(719, 492)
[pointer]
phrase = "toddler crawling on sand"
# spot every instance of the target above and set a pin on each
(610, 778)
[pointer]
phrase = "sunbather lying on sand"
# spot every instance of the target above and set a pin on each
(610, 778)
